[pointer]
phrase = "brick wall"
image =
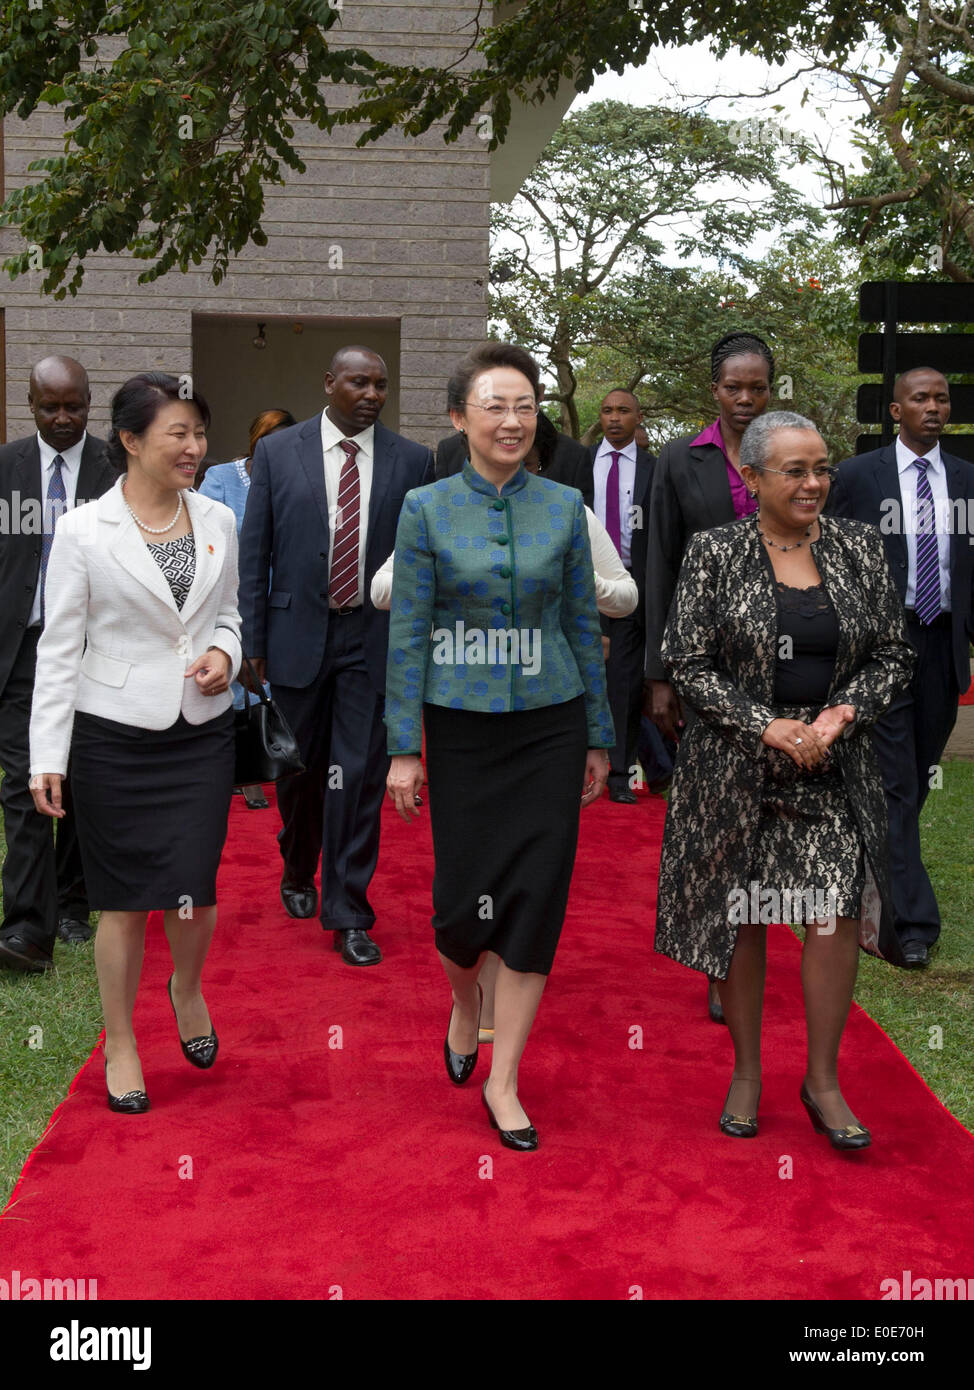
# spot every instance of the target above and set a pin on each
(410, 216)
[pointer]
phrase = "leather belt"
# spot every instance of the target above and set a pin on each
(942, 620)
(344, 612)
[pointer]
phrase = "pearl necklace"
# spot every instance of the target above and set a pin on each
(155, 530)
(768, 541)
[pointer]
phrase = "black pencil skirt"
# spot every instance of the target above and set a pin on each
(152, 808)
(504, 794)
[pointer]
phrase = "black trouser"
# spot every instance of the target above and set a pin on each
(909, 740)
(332, 810)
(624, 685)
(42, 875)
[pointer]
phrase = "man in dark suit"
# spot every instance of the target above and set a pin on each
(922, 500)
(321, 517)
(58, 467)
(622, 473)
(559, 457)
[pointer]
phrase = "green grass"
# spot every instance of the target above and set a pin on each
(64, 1004)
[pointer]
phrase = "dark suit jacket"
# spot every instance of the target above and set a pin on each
(285, 531)
(867, 482)
(571, 463)
(20, 553)
(690, 493)
(645, 464)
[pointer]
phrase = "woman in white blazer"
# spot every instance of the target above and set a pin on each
(140, 644)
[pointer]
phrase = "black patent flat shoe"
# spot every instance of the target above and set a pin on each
(854, 1136)
(132, 1103)
(460, 1065)
(522, 1140)
(200, 1051)
(741, 1126)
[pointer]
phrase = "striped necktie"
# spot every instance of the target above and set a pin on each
(54, 507)
(926, 597)
(343, 588)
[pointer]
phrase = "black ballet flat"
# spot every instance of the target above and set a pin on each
(741, 1126)
(200, 1051)
(132, 1103)
(459, 1065)
(848, 1137)
(523, 1140)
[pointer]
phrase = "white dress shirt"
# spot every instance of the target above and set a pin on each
(334, 454)
(615, 589)
(627, 484)
(71, 460)
(937, 476)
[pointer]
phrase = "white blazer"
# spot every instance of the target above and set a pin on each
(114, 643)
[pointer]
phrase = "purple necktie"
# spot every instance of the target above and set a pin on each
(926, 597)
(612, 524)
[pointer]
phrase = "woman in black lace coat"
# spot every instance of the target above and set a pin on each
(787, 639)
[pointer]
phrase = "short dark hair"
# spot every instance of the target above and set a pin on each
(138, 401)
(737, 345)
(480, 359)
(621, 391)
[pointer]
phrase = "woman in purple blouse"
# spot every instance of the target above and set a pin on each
(697, 484)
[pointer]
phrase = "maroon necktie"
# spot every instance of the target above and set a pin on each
(343, 588)
(612, 519)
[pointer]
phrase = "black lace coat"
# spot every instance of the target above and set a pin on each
(720, 648)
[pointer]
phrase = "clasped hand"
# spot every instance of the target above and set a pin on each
(211, 671)
(808, 744)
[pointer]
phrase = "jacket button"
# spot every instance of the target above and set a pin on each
(505, 608)
(498, 505)
(501, 540)
(504, 571)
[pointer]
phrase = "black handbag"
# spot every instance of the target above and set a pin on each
(266, 749)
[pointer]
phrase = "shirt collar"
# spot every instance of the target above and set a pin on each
(627, 452)
(905, 457)
(711, 435)
(70, 457)
(332, 435)
(480, 484)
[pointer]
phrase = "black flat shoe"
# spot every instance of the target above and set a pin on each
(132, 1103)
(459, 1065)
(523, 1140)
(357, 947)
(741, 1126)
(299, 899)
(200, 1051)
(714, 1006)
(854, 1136)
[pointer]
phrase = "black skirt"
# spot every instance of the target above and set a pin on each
(505, 793)
(152, 808)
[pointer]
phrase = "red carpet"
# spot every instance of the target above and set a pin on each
(328, 1151)
(968, 697)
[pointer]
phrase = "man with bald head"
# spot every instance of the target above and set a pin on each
(922, 500)
(58, 467)
(321, 518)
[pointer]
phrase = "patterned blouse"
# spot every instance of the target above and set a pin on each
(493, 605)
(177, 560)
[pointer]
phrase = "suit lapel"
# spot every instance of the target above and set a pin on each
(956, 491)
(89, 474)
(640, 487)
(384, 452)
(210, 545)
(29, 470)
(708, 471)
(886, 476)
(313, 462)
(128, 547)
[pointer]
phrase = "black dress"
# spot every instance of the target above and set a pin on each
(808, 848)
(152, 804)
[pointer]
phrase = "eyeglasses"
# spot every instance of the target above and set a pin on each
(501, 412)
(798, 475)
